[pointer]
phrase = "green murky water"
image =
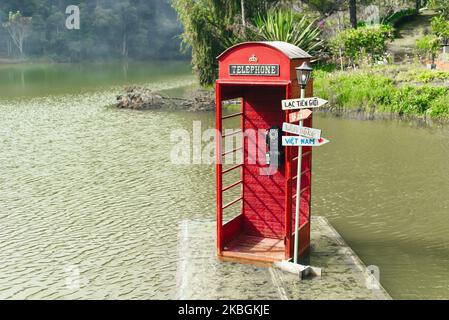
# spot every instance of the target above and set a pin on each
(90, 204)
(30, 80)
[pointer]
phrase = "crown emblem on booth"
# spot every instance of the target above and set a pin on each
(253, 58)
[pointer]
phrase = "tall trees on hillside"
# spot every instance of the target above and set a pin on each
(137, 29)
(18, 28)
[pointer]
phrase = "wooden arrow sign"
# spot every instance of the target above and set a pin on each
(304, 103)
(299, 115)
(302, 131)
(292, 141)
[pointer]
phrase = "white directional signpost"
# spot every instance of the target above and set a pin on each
(303, 142)
(302, 131)
(308, 137)
(299, 115)
(303, 103)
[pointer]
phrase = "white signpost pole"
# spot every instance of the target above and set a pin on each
(298, 191)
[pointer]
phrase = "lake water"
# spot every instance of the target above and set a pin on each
(90, 199)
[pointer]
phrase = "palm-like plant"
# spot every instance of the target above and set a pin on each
(280, 25)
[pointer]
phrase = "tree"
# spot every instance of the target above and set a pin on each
(18, 28)
(135, 29)
(242, 4)
(417, 4)
(440, 28)
(128, 22)
(357, 45)
(428, 45)
(325, 7)
(207, 31)
(211, 26)
(353, 13)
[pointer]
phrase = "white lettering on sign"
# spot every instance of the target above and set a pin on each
(254, 70)
(304, 103)
(302, 131)
(299, 115)
(304, 142)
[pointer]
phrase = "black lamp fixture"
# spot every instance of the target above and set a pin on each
(303, 73)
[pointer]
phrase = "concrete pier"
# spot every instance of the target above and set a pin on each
(200, 275)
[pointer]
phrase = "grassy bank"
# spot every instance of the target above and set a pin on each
(401, 90)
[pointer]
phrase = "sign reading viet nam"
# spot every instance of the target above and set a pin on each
(292, 141)
(299, 115)
(302, 131)
(303, 103)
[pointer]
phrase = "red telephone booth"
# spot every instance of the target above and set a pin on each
(260, 75)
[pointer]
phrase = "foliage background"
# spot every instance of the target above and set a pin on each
(149, 30)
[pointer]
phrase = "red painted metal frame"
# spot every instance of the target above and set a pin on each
(219, 168)
(232, 87)
(289, 162)
(219, 175)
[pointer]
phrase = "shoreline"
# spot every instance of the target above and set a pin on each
(4, 61)
(8, 61)
(360, 115)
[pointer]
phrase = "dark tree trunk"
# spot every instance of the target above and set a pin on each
(418, 4)
(353, 13)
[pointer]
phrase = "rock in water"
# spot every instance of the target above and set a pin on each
(140, 98)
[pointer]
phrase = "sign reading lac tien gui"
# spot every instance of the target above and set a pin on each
(303, 103)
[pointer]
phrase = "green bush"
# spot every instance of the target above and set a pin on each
(357, 44)
(441, 6)
(439, 107)
(423, 75)
(354, 90)
(428, 46)
(440, 28)
(412, 100)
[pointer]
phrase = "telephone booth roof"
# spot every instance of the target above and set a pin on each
(288, 49)
(261, 62)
